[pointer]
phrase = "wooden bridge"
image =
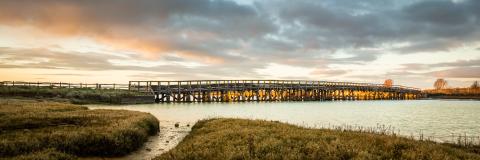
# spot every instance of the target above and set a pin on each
(270, 90)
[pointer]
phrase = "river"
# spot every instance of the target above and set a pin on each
(438, 119)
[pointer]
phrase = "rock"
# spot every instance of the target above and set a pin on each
(167, 141)
(188, 125)
(176, 125)
(148, 149)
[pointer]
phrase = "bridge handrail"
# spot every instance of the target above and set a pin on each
(193, 82)
(66, 85)
(234, 82)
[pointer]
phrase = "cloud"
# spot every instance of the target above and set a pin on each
(459, 63)
(46, 59)
(226, 39)
(205, 30)
(40, 58)
(150, 27)
(356, 58)
(456, 69)
(372, 24)
(328, 72)
(437, 12)
(459, 72)
(430, 46)
(63, 74)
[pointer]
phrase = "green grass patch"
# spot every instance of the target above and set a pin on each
(258, 139)
(73, 95)
(40, 130)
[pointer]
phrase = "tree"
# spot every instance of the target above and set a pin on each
(388, 83)
(475, 85)
(440, 84)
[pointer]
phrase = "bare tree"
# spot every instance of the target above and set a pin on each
(388, 83)
(440, 84)
(475, 85)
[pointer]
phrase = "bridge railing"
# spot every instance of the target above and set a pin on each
(146, 86)
(66, 85)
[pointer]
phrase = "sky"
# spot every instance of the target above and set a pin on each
(413, 42)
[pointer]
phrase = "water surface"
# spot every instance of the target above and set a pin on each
(431, 118)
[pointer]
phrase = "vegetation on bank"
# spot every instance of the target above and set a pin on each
(454, 93)
(73, 95)
(51, 130)
(257, 139)
(442, 91)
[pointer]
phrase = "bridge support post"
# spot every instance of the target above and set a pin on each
(167, 96)
(157, 98)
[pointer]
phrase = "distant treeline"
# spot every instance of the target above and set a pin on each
(454, 93)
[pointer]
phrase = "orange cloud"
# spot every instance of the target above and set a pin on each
(65, 19)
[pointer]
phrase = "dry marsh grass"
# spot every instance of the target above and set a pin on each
(258, 139)
(74, 95)
(40, 130)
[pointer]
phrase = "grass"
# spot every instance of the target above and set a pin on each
(258, 139)
(73, 95)
(51, 130)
